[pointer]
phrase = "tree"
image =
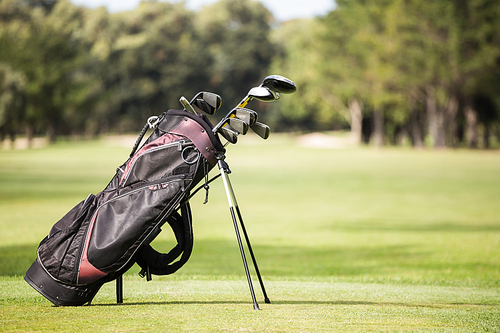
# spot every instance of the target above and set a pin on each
(298, 57)
(235, 35)
(358, 65)
(12, 100)
(146, 59)
(43, 44)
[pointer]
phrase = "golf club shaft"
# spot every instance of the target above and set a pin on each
(244, 102)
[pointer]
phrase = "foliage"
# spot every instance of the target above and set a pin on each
(235, 34)
(392, 71)
(417, 64)
(12, 89)
(88, 71)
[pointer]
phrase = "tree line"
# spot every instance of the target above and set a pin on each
(389, 71)
(400, 71)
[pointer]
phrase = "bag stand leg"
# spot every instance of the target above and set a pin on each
(233, 206)
(119, 289)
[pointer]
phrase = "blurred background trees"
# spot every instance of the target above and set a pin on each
(389, 71)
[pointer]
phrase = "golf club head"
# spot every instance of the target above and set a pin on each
(263, 94)
(279, 84)
(206, 102)
(228, 134)
(247, 115)
(261, 130)
(238, 125)
(187, 106)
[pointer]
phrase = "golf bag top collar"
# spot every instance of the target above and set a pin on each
(198, 132)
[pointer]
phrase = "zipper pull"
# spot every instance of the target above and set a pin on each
(206, 186)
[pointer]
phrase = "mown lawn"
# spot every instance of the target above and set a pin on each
(346, 240)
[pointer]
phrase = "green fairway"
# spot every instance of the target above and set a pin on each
(346, 240)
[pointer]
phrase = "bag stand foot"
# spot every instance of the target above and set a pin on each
(236, 215)
(119, 289)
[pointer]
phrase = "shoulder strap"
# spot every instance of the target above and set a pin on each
(158, 263)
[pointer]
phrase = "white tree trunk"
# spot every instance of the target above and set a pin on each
(356, 121)
(378, 130)
(470, 126)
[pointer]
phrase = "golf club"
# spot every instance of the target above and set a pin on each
(279, 84)
(250, 117)
(262, 94)
(247, 115)
(261, 130)
(229, 134)
(206, 102)
(238, 125)
(187, 106)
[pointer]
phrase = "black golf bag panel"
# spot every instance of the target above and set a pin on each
(105, 234)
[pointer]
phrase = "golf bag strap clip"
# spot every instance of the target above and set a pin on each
(150, 124)
(153, 121)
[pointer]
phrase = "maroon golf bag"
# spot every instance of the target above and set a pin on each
(105, 234)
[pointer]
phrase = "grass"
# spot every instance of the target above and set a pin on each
(346, 240)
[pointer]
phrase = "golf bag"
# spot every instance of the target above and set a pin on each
(105, 234)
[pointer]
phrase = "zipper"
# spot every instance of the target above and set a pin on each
(145, 186)
(124, 177)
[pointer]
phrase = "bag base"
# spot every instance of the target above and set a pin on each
(58, 293)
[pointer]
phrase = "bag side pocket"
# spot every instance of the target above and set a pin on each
(58, 251)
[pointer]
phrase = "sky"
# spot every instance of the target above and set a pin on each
(283, 10)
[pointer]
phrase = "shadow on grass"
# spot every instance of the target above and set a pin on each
(416, 227)
(222, 258)
(299, 302)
